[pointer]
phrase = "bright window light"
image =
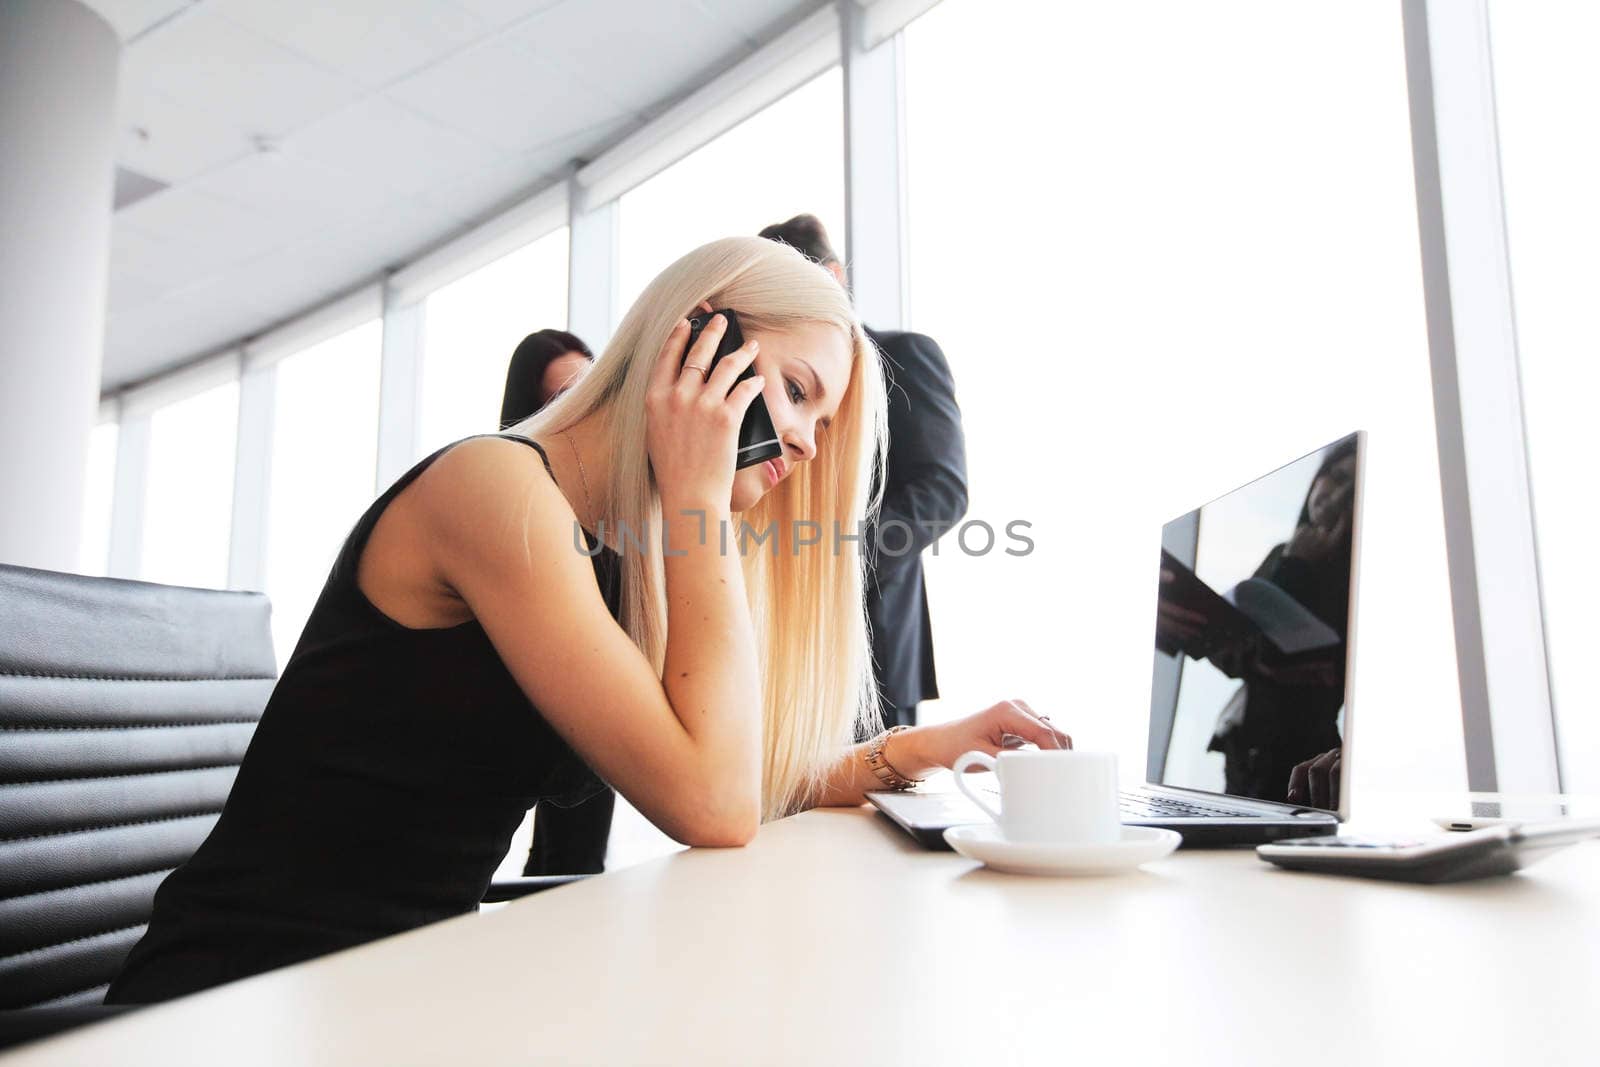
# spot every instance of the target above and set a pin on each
(785, 160)
(188, 508)
(472, 327)
(1167, 247)
(1546, 88)
(99, 484)
(324, 455)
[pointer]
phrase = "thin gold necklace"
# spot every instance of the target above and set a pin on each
(583, 475)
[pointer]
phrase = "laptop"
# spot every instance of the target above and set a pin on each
(1250, 710)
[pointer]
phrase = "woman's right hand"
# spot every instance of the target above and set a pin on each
(692, 419)
(922, 749)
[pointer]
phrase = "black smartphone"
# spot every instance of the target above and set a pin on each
(758, 440)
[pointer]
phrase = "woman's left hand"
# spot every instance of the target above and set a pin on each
(928, 748)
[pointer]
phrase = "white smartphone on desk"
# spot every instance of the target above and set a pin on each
(1440, 858)
(1464, 823)
(1510, 812)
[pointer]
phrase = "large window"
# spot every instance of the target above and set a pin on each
(1167, 247)
(324, 454)
(472, 327)
(783, 161)
(1547, 88)
(99, 484)
(188, 508)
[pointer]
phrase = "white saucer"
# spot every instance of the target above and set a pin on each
(1139, 844)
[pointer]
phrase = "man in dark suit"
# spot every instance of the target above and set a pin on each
(925, 492)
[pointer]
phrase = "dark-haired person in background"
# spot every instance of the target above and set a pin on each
(565, 840)
(542, 367)
(924, 493)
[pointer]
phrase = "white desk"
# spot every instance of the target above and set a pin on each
(832, 939)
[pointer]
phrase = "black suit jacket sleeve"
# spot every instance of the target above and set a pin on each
(926, 485)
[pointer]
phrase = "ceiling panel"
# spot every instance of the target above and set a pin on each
(130, 291)
(159, 334)
(502, 13)
(309, 145)
(758, 20)
(214, 65)
(391, 146)
(372, 243)
(507, 96)
(482, 193)
(199, 233)
(295, 196)
(170, 139)
(281, 284)
(132, 17)
(152, 264)
(647, 52)
(249, 296)
(370, 41)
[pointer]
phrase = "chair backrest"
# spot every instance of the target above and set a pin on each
(125, 709)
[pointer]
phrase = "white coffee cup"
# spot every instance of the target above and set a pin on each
(1051, 796)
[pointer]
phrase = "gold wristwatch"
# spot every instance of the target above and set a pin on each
(891, 778)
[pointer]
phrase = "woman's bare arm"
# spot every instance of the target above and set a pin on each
(685, 749)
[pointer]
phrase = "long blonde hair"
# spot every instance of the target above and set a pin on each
(806, 601)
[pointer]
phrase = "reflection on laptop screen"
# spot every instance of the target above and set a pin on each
(1252, 622)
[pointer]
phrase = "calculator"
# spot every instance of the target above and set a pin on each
(1445, 857)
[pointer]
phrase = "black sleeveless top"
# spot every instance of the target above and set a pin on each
(379, 793)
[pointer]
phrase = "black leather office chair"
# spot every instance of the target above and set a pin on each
(125, 708)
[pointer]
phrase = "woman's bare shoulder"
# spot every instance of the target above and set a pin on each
(489, 495)
(496, 460)
(462, 509)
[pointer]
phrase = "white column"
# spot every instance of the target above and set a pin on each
(592, 268)
(58, 97)
(874, 188)
(1483, 457)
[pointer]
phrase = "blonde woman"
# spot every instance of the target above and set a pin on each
(505, 626)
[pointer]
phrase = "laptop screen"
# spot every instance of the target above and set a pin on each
(1253, 625)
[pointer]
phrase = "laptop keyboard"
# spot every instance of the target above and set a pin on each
(1148, 806)
(1151, 806)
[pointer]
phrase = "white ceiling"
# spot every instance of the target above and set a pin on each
(310, 145)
